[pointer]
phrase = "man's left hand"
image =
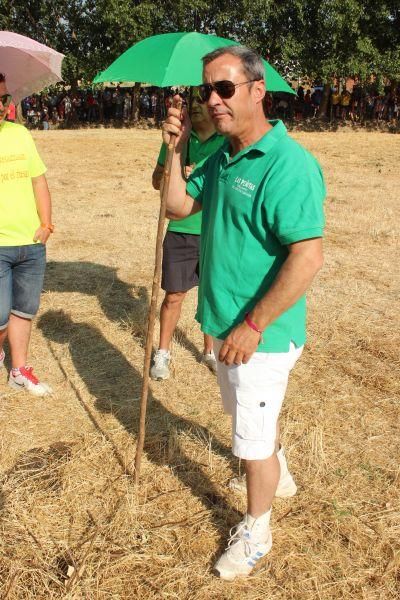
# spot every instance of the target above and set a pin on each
(239, 346)
(41, 235)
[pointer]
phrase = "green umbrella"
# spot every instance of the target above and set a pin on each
(175, 59)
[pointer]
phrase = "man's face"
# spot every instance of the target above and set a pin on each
(3, 105)
(232, 116)
(199, 112)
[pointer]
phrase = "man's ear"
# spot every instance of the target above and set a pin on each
(259, 90)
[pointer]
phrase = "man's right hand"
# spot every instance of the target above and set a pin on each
(177, 123)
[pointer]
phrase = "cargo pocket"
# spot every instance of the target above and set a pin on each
(250, 417)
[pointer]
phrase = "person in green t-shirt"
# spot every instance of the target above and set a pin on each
(261, 197)
(25, 226)
(180, 266)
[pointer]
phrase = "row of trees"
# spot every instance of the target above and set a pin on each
(318, 38)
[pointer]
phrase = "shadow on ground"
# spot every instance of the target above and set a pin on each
(116, 384)
(121, 303)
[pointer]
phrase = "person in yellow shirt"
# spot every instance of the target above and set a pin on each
(25, 226)
(335, 103)
(345, 100)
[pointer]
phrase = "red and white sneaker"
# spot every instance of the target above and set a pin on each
(24, 379)
(2, 357)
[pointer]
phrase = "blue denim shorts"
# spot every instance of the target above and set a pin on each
(21, 280)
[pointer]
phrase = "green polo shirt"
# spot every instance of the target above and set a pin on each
(197, 152)
(254, 204)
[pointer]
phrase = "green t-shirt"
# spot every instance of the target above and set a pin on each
(197, 152)
(267, 196)
(19, 162)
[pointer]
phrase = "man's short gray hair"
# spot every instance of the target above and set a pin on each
(253, 66)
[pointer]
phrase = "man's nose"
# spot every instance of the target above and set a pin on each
(214, 99)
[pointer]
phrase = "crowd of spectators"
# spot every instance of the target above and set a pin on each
(117, 105)
(92, 106)
(358, 105)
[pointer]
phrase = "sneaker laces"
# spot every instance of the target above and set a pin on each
(161, 359)
(240, 533)
(28, 373)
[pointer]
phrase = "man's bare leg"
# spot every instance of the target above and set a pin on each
(19, 333)
(208, 344)
(169, 317)
(252, 539)
(262, 477)
(263, 481)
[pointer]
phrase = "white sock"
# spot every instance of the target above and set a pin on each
(260, 523)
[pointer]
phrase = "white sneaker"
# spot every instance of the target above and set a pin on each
(210, 361)
(160, 368)
(248, 542)
(24, 379)
(2, 357)
(286, 485)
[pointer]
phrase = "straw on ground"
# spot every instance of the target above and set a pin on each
(72, 524)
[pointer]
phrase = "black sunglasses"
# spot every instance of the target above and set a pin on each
(6, 99)
(225, 89)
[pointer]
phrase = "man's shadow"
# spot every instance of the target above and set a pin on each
(121, 303)
(116, 386)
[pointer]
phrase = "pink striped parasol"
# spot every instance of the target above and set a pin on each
(28, 66)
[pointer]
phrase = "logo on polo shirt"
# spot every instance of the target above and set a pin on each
(243, 186)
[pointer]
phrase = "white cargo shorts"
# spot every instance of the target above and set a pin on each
(253, 395)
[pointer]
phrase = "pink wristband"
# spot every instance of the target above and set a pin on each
(253, 326)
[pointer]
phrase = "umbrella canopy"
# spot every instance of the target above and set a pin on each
(175, 59)
(28, 66)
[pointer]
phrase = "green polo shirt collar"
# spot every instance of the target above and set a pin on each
(262, 146)
(195, 135)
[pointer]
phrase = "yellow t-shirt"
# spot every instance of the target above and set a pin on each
(345, 99)
(19, 162)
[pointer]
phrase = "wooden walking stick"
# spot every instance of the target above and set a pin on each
(153, 305)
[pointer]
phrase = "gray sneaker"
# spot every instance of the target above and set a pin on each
(210, 361)
(160, 368)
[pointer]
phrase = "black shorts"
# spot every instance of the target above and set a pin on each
(180, 265)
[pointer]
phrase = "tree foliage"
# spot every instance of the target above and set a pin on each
(301, 37)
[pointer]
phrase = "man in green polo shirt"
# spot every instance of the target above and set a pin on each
(261, 197)
(180, 267)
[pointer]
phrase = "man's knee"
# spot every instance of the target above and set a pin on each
(173, 299)
(253, 465)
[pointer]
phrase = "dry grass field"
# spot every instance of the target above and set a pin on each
(72, 524)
